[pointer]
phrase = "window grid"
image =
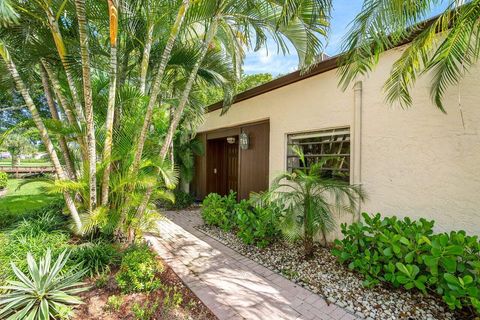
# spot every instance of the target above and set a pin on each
(334, 144)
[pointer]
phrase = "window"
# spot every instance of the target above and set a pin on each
(334, 144)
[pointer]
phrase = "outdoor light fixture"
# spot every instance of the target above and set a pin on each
(244, 141)
(231, 140)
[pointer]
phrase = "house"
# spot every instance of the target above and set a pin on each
(417, 162)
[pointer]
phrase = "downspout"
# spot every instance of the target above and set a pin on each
(357, 141)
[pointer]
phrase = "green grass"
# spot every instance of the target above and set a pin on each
(29, 197)
(26, 163)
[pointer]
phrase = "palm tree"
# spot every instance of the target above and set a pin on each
(445, 46)
(231, 21)
(54, 112)
(87, 93)
(107, 149)
(309, 202)
(155, 91)
(41, 129)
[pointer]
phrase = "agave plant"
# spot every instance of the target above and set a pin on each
(309, 201)
(44, 292)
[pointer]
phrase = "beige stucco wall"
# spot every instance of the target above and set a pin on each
(417, 162)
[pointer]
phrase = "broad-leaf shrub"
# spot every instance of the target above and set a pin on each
(255, 224)
(407, 253)
(3, 180)
(139, 270)
(219, 211)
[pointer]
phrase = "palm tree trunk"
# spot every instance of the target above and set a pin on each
(107, 150)
(181, 107)
(87, 94)
(156, 85)
(177, 116)
(42, 131)
(62, 52)
(57, 89)
(53, 111)
(307, 228)
(146, 58)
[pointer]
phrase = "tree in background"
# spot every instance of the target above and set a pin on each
(445, 47)
(211, 94)
(18, 144)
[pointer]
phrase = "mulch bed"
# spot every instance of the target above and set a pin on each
(96, 307)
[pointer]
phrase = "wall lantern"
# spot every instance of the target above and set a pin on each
(231, 140)
(244, 141)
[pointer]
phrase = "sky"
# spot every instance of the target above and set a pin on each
(270, 61)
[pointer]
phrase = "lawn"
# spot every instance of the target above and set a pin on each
(26, 198)
(26, 163)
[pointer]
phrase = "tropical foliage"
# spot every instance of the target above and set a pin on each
(44, 292)
(121, 78)
(252, 222)
(445, 47)
(138, 270)
(407, 253)
(309, 201)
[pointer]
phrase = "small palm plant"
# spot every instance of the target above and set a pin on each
(44, 292)
(309, 200)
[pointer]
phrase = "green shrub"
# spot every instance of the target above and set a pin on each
(255, 225)
(138, 270)
(96, 256)
(3, 180)
(219, 211)
(407, 253)
(183, 200)
(114, 303)
(43, 292)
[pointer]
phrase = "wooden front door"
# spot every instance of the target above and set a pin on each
(222, 166)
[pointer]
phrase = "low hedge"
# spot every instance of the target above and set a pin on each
(407, 253)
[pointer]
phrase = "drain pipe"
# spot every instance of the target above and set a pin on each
(357, 140)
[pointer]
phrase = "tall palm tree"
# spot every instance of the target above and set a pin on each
(87, 93)
(54, 112)
(445, 46)
(298, 21)
(155, 91)
(41, 129)
(107, 149)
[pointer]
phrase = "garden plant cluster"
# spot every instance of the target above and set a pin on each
(253, 224)
(408, 253)
(45, 270)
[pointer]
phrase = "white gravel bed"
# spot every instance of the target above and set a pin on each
(325, 276)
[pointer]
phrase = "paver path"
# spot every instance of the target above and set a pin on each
(231, 285)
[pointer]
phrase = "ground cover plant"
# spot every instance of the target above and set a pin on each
(409, 254)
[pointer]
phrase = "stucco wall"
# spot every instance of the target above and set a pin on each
(417, 162)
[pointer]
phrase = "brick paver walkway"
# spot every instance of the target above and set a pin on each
(231, 285)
